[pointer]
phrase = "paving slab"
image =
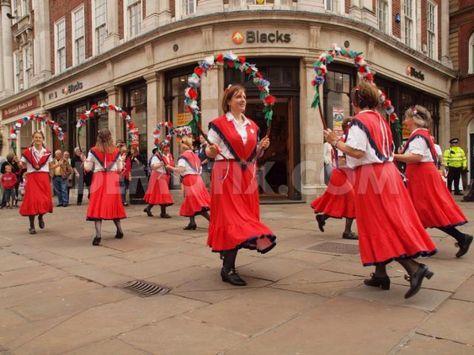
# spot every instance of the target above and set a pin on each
(337, 326)
(453, 321)
(29, 275)
(267, 308)
(10, 261)
(99, 275)
(108, 347)
(308, 256)
(466, 291)
(103, 322)
(426, 345)
(273, 269)
(182, 335)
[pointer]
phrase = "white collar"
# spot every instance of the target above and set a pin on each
(230, 117)
(42, 150)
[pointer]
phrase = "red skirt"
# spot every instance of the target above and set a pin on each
(37, 198)
(338, 200)
(158, 192)
(235, 220)
(431, 198)
(105, 200)
(388, 225)
(196, 197)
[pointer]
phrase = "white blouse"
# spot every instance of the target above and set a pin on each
(188, 170)
(158, 165)
(116, 166)
(38, 154)
(418, 146)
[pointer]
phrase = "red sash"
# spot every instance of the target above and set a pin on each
(425, 134)
(231, 138)
(168, 159)
(192, 159)
(30, 158)
(106, 160)
(378, 132)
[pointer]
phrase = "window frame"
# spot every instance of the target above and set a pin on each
(185, 4)
(431, 33)
(128, 25)
(329, 5)
(411, 22)
(385, 15)
(57, 63)
(96, 45)
(75, 55)
(27, 65)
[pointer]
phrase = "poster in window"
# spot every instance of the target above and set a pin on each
(337, 118)
(183, 118)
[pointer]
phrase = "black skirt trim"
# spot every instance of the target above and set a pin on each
(251, 243)
(424, 253)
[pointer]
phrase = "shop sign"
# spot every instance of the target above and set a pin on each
(21, 107)
(183, 118)
(415, 73)
(72, 88)
(261, 37)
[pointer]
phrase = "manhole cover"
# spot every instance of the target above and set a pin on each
(337, 248)
(145, 288)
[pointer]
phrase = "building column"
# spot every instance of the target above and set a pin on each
(112, 38)
(209, 7)
(311, 5)
(114, 121)
(444, 122)
(164, 12)
(151, 20)
(153, 112)
(311, 128)
(445, 58)
(41, 45)
(2, 79)
(8, 69)
(210, 97)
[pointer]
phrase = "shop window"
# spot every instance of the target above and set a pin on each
(82, 139)
(431, 26)
(135, 103)
(61, 118)
(60, 45)
(79, 37)
(134, 17)
(337, 89)
(471, 54)
(25, 135)
(409, 14)
(100, 24)
(382, 15)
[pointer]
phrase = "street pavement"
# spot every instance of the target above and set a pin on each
(61, 295)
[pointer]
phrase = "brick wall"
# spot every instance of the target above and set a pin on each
(63, 9)
(396, 26)
(347, 5)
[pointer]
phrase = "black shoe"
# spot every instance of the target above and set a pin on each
(321, 222)
(165, 215)
(79, 203)
(464, 246)
(417, 279)
(41, 223)
(125, 203)
(190, 227)
(32, 231)
(148, 212)
(96, 241)
(458, 193)
(232, 277)
(382, 282)
(350, 235)
(119, 235)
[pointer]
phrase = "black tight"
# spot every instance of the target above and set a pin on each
(229, 259)
(98, 227)
(32, 221)
(410, 265)
(454, 232)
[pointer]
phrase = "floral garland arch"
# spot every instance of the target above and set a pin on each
(157, 132)
(42, 118)
(132, 129)
(228, 60)
(363, 71)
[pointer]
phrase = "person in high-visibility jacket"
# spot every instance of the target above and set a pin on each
(456, 162)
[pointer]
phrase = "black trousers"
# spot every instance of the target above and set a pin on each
(454, 174)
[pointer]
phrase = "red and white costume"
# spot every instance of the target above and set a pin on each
(388, 225)
(235, 221)
(105, 200)
(37, 198)
(433, 202)
(158, 192)
(196, 197)
(338, 199)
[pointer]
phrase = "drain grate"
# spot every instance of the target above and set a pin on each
(337, 248)
(145, 288)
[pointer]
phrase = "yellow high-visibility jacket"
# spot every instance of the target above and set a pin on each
(455, 158)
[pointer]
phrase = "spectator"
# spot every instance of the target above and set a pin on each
(125, 174)
(206, 163)
(59, 183)
(77, 163)
(8, 183)
(456, 162)
(67, 174)
(13, 161)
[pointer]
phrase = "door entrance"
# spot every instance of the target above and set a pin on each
(275, 167)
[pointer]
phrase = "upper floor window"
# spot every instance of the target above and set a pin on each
(23, 63)
(79, 36)
(134, 17)
(19, 8)
(60, 45)
(100, 24)
(431, 25)
(409, 14)
(471, 54)
(382, 15)
(28, 60)
(19, 69)
(189, 7)
(329, 5)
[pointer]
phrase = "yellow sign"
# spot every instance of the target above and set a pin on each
(183, 118)
(260, 2)
(237, 37)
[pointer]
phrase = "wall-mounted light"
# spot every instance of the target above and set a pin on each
(347, 44)
(175, 47)
(398, 18)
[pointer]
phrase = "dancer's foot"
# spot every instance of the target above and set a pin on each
(119, 235)
(232, 277)
(41, 222)
(190, 226)
(165, 215)
(96, 241)
(321, 221)
(464, 246)
(416, 279)
(350, 235)
(148, 212)
(381, 282)
(32, 231)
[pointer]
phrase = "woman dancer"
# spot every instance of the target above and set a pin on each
(338, 200)
(158, 192)
(196, 198)
(37, 200)
(388, 225)
(235, 221)
(105, 201)
(431, 198)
